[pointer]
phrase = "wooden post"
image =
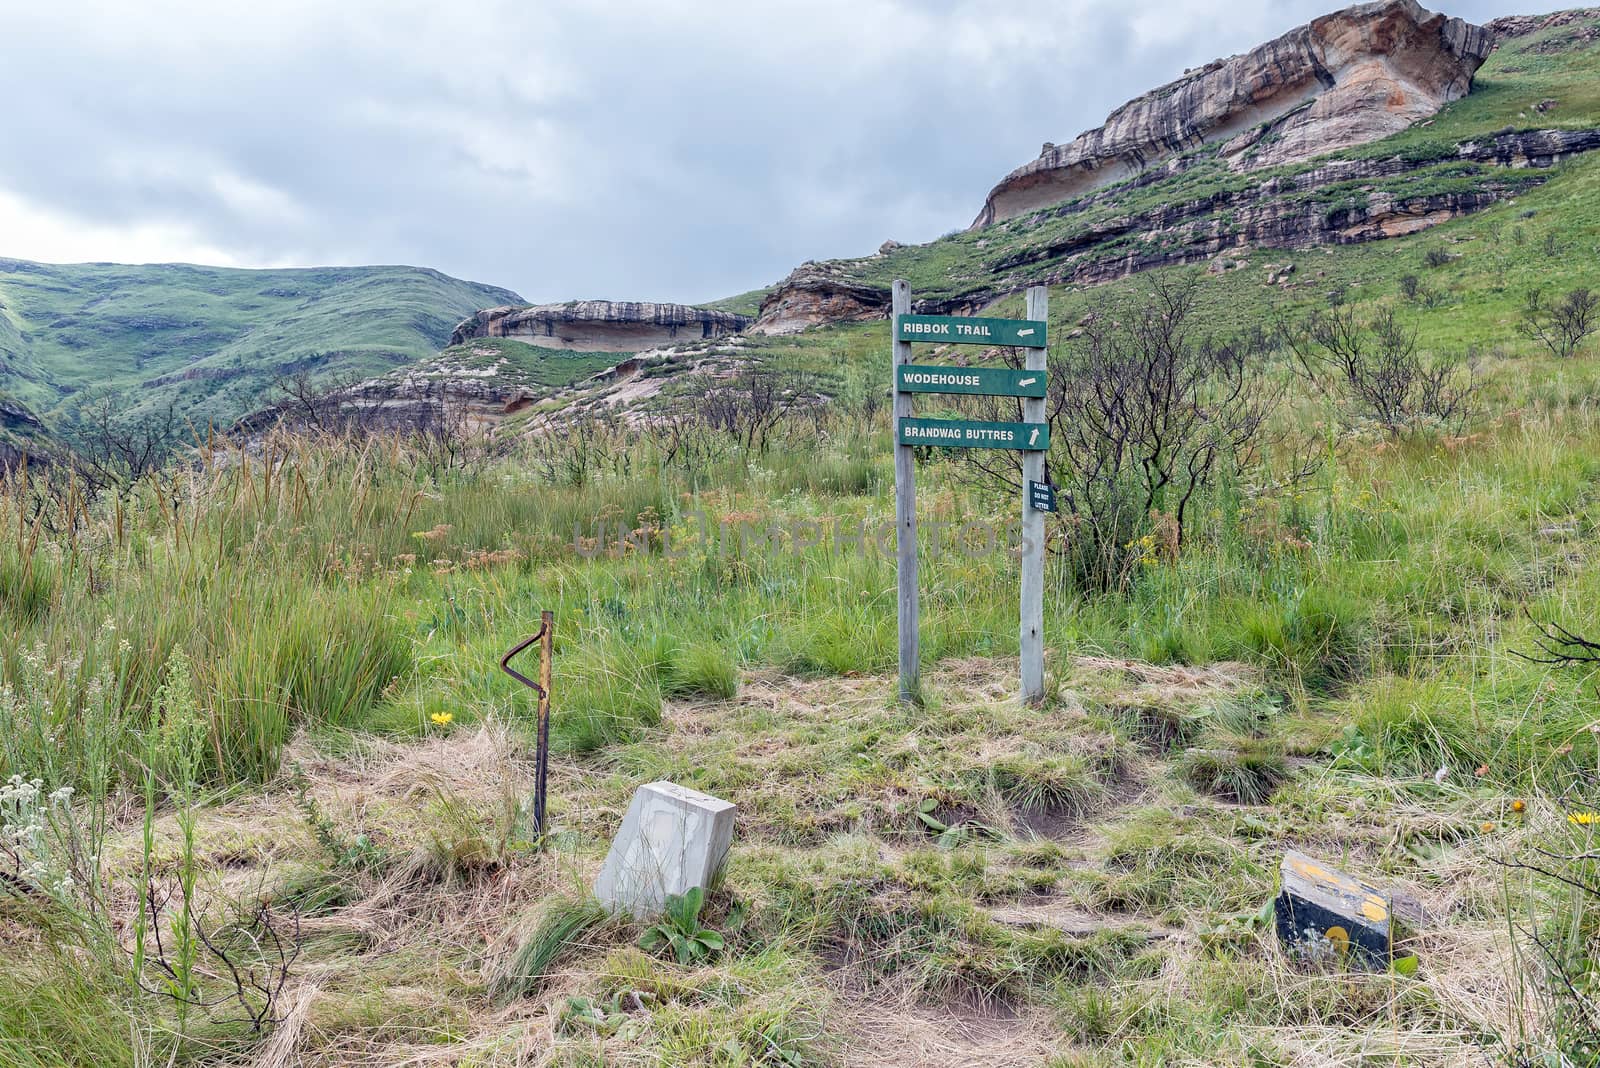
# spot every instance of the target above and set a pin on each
(1032, 637)
(905, 508)
(547, 640)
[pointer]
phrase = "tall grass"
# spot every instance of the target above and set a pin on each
(340, 584)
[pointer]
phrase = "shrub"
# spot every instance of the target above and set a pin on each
(1146, 413)
(1374, 367)
(1563, 325)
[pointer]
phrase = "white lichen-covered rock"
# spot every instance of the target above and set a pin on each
(1344, 79)
(672, 840)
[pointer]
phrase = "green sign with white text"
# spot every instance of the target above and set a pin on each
(966, 330)
(985, 381)
(968, 434)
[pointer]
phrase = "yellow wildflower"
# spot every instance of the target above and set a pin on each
(442, 719)
(1486, 827)
(1583, 818)
(1519, 805)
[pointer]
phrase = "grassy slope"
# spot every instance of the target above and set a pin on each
(742, 304)
(518, 363)
(139, 330)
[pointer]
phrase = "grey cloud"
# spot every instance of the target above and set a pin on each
(566, 149)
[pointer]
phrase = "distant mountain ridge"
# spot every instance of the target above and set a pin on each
(212, 340)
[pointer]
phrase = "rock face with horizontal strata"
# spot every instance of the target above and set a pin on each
(1348, 78)
(600, 325)
(816, 293)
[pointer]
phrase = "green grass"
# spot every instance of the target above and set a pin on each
(519, 363)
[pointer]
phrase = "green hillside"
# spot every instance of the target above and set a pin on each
(212, 340)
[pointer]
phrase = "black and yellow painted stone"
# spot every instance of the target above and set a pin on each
(1317, 902)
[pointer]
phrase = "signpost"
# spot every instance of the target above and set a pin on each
(1031, 437)
(964, 434)
(1032, 607)
(982, 381)
(905, 512)
(966, 330)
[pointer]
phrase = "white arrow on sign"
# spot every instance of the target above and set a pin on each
(1025, 333)
(1033, 437)
(1026, 381)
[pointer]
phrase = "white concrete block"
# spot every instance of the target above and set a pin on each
(672, 840)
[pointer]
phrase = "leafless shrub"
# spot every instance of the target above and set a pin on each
(1145, 414)
(1561, 325)
(1557, 939)
(435, 425)
(1373, 364)
(447, 442)
(247, 960)
(319, 406)
(574, 453)
(746, 408)
(113, 447)
(684, 441)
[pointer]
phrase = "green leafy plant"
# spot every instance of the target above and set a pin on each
(607, 1017)
(680, 930)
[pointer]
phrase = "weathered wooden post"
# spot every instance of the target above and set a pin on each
(905, 508)
(546, 641)
(1033, 536)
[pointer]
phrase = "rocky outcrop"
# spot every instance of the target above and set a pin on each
(601, 325)
(1348, 78)
(22, 435)
(1524, 25)
(1343, 201)
(818, 293)
(1279, 214)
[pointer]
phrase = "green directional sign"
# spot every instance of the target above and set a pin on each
(967, 434)
(987, 381)
(966, 330)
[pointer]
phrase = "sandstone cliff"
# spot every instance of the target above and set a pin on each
(1344, 79)
(600, 325)
(1339, 201)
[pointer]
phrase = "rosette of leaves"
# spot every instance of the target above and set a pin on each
(680, 930)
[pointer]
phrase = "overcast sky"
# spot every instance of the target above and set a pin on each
(660, 150)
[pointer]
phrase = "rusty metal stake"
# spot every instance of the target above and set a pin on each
(546, 639)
